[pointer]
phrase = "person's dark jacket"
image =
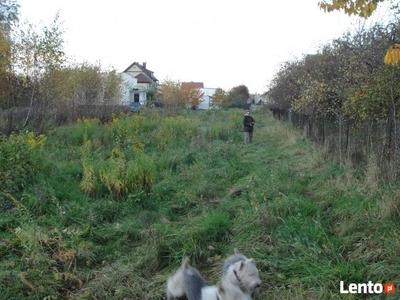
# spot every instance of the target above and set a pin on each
(248, 123)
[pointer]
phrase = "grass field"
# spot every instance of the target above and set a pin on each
(107, 211)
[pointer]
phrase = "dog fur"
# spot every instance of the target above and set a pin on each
(187, 281)
(242, 272)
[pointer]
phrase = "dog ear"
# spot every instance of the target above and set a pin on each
(241, 265)
(236, 251)
(185, 261)
(251, 260)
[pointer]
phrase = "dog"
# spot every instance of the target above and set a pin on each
(187, 281)
(242, 272)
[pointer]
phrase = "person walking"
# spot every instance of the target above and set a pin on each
(248, 124)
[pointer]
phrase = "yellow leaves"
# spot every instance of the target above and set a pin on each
(236, 120)
(361, 8)
(117, 153)
(112, 175)
(220, 98)
(173, 128)
(172, 94)
(36, 140)
(117, 117)
(138, 148)
(175, 93)
(191, 93)
(88, 183)
(85, 121)
(392, 56)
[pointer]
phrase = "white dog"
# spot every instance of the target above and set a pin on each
(243, 273)
(187, 281)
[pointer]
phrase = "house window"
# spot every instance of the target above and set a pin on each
(136, 98)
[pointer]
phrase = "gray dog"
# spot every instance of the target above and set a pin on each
(242, 272)
(187, 281)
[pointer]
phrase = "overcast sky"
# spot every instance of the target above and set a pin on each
(221, 43)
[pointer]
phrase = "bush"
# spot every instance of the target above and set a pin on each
(21, 158)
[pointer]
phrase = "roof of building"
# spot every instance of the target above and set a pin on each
(193, 85)
(147, 72)
(141, 78)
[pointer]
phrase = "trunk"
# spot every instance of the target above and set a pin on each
(340, 141)
(387, 144)
(30, 108)
(347, 147)
(348, 140)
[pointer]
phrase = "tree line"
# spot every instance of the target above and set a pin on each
(41, 87)
(347, 96)
(174, 95)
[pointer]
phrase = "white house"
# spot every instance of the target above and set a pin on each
(138, 81)
(206, 100)
(208, 93)
(129, 84)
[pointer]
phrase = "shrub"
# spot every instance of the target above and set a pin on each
(20, 160)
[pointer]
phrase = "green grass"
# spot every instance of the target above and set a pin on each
(162, 188)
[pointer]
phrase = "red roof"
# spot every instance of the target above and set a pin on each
(141, 78)
(193, 85)
(146, 71)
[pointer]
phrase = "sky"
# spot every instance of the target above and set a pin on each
(220, 43)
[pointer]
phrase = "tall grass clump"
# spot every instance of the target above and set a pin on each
(116, 173)
(84, 130)
(228, 130)
(175, 130)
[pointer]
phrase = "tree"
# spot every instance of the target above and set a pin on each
(8, 14)
(220, 98)
(364, 9)
(8, 18)
(86, 84)
(345, 90)
(286, 85)
(192, 94)
(5, 65)
(112, 87)
(37, 56)
(361, 8)
(239, 96)
(172, 96)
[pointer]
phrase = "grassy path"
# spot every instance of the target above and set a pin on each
(315, 224)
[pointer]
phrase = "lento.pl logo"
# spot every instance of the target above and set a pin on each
(367, 288)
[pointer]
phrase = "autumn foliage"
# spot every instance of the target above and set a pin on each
(346, 97)
(192, 93)
(40, 86)
(362, 8)
(392, 56)
(220, 98)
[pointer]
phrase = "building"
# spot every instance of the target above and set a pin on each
(138, 83)
(206, 101)
(207, 93)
